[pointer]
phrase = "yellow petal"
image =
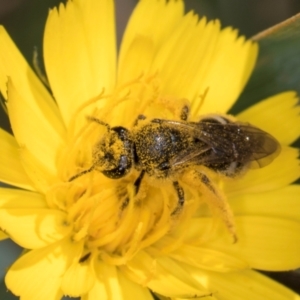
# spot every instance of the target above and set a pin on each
(39, 175)
(166, 14)
(278, 115)
(13, 198)
(281, 203)
(98, 291)
(284, 170)
(79, 52)
(3, 236)
(33, 131)
(242, 285)
(107, 276)
(138, 59)
(231, 64)
(40, 227)
(78, 279)
(207, 258)
(183, 58)
(269, 243)
(194, 59)
(11, 169)
(162, 275)
(36, 96)
(131, 290)
(143, 37)
(37, 275)
(266, 243)
(111, 284)
(188, 65)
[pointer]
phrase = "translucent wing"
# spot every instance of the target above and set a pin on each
(216, 144)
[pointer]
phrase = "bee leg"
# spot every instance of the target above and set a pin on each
(214, 198)
(184, 114)
(85, 258)
(136, 185)
(217, 200)
(138, 182)
(180, 194)
(125, 203)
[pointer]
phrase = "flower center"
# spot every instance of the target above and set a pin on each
(108, 212)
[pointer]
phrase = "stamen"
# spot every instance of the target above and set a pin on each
(81, 108)
(162, 226)
(95, 204)
(111, 238)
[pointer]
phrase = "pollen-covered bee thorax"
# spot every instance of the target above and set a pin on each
(156, 145)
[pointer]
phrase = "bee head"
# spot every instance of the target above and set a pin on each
(113, 154)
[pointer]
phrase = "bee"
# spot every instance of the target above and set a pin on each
(166, 149)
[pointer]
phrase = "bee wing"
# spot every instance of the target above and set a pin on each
(265, 147)
(190, 156)
(256, 146)
(236, 141)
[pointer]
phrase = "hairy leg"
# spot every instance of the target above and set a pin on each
(180, 195)
(214, 198)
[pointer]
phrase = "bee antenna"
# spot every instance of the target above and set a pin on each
(81, 173)
(94, 119)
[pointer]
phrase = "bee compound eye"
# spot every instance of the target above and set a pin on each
(121, 132)
(124, 166)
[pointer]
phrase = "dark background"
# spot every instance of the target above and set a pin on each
(25, 19)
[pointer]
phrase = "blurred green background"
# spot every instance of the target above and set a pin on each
(25, 19)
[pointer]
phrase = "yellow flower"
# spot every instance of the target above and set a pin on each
(90, 236)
